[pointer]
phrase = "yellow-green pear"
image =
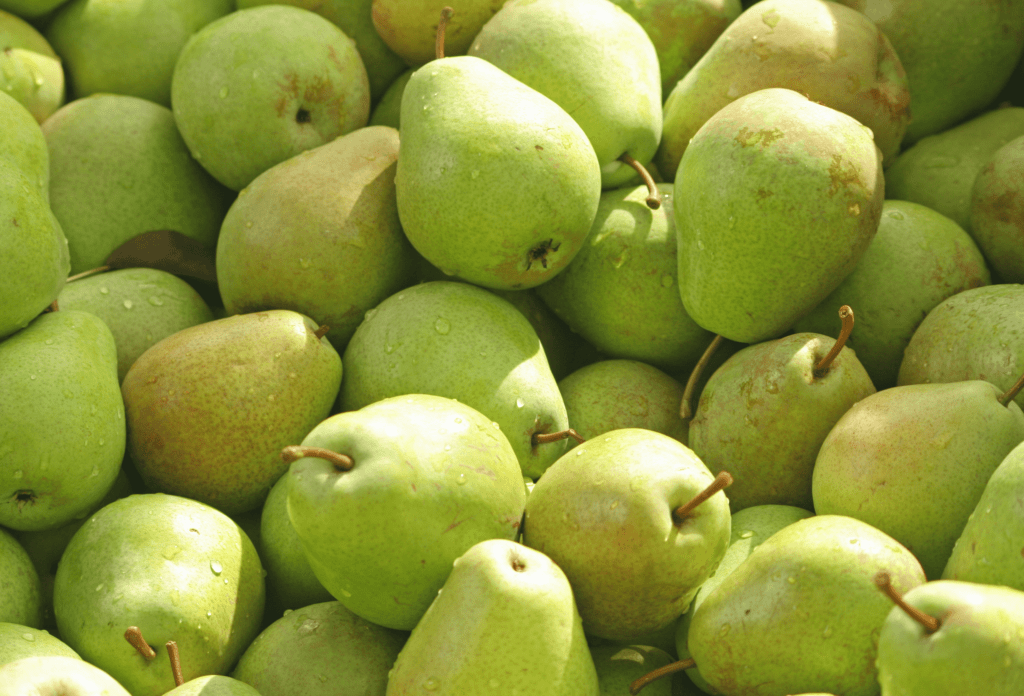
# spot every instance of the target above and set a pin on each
(30, 71)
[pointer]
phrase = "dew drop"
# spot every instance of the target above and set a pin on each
(305, 263)
(223, 92)
(520, 403)
(827, 632)
(431, 684)
(29, 637)
(791, 580)
(95, 472)
(209, 614)
(700, 245)
(170, 552)
(18, 474)
(746, 534)
(579, 451)
(216, 567)
(127, 304)
(442, 326)
(31, 376)
(461, 479)
(389, 349)
(667, 281)
(722, 632)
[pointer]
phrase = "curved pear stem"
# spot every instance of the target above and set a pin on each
(86, 274)
(846, 314)
(653, 199)
(686, 407)
(322, 331)
(544, 438)
(884, 583)
(341, 462)
(721, 482)
(1012, 392)
(172, 653)
(446, 14)
(637, 685)
(134, 636)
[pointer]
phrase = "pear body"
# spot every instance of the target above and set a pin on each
(24, 145)
(505, 622)
(18, 641)
(496, 183)
(21, 597)
(997, 211)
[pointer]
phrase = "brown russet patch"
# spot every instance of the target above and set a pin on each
(842, 174)
(764, 137)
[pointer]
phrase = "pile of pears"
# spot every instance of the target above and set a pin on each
(512, 348)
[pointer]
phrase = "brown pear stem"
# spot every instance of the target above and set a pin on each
(134, 636)
(653, 199)
(637, 685)
(884, 582)
(1012, 392)
(86, 274)
(846, 314)
(686, 407)
(545, 438)
(446, 14)
(341, 462)
(54, 307)
(322, 331)
(172, 653)
(722, 481)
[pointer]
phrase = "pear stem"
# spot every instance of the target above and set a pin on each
(172, 653)
(85, 274)
(686, 407)
(446, 14)
(322, 331)
(884, 582)
(846, 314)
(545, 438)
(653, 199)
(341, 462)
(722, 481)
(637, 685)
(134, 636)
(1012, 392)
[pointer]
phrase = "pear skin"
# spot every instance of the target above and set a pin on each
(997, 211)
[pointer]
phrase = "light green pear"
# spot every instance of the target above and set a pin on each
(505, 620)
(66, 676)
(30, 71)
(213, 685)
(23, 144)
(409, 27)
(997, 211)
(18, 641)
(592, 59)
(20, 591)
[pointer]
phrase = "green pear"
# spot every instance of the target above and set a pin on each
(200, 585)
(621, 291)
(592, 59)
(213, 685)
(140, 306)
(913, 461)
(617, 667)
(30, 71)
(977, 648)
(989, 549)
(118, 168)
(997, 211)
(461, 342)
(23, 144)
(267, 257)
(409, 27)
(18, 641)
(975, 334)
(30, 9)
(210, 407)
(320, 650)
(469, 131)
(505, 619)
(60, 396)
(388, 111)
(802, 611)
(607, 514)
(65, 676)
(261, 85)
(127, 47)
(20, 590)
(383, 65)
(448, 471)
(833, 55)
(613, 394)
(776, 200)
(917, 259)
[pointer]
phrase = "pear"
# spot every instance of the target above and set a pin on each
(66, 676)
(802, 611)
(60, 396)
(213, 685)
(989, 549)
(20, 591)
(997, 211)
(913, 461)
(210, 407)
(617, 667)
(776, 200)
(18, 641)
(408, 27)
(461, 342)
(320, 650)
(592, 59)
(31, 73)
(504, 620)
(23, 144)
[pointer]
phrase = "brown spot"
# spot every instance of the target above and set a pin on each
(842, 174)
(762, 194)
(14, 221)
(539, 147)
(764, 137)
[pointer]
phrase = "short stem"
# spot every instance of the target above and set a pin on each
(322, 331)
(341, 462)
(722, 481)
(884, 582)
(653, 199)
(446, 14)
(134, 636)
(686, 407)
(172, 653)
(544, 438)
(846, 314)
(1012, 393)
(54, 307)
(688, 663)
(85, 274)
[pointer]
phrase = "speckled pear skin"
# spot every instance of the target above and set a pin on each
(802, 611)
(776, 200)
(975, 334)
(977, 650)
(990, 549)
(20, 591)
(505, 619)
(917, 259)
(836, 56)
(997, 211)
(913, 461)
(24, 145)
(461, 342)
(210, 407)
(496, 184)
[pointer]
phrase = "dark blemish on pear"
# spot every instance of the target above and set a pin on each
(24, 497)
(762, 194)
(540, 253)
(841, 175)
(539, 147)
(303, 116)
(764, 138)
(14, 221)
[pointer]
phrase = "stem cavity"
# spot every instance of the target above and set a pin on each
(846, 314)
(884, 583)
(134, 636)
(686, 407)
(653, 199)
(446, 14)
(341, 462)
(721, 482)
(636, 686)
